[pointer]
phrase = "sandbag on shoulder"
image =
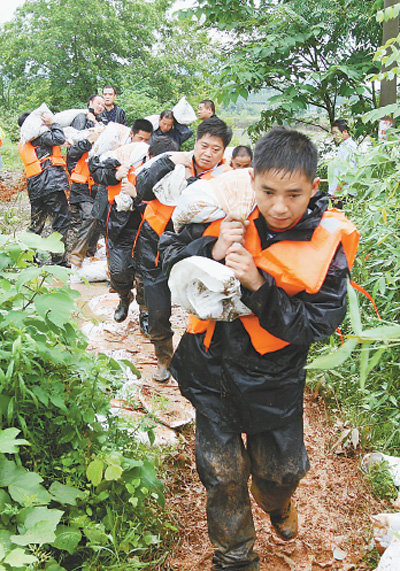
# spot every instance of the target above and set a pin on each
(184, 112)
(114, 135)
(207, 289)
(33, 125)
(209, 200)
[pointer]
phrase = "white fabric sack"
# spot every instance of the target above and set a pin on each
(73, 135)
(170, 187)
(390, 560)
(209, 200)
(154, 120)
(33, 125)
(132, 154)
(207, 289)
(65, 118)
(114, 135)
(385, 526)
(184, 112)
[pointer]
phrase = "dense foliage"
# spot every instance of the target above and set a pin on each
(62, 51)
(364, 372)
(76, 491)
(310, 53)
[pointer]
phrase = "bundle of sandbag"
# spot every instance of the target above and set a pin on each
(204, 287)
(33, 125)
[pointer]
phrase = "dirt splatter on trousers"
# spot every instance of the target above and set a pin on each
(276, 460)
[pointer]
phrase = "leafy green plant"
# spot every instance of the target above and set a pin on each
(79, 493)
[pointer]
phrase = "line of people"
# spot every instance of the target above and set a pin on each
(117, 201)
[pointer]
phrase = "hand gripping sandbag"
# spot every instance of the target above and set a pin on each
(33, 125)
(207, 289)
(208, 200)
(132, 154)
(114, 135)
(169, 188)
(184, 112)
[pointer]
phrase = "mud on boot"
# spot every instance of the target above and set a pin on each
(164, 351)
(122, 309)
(144, 322)
(285, 521)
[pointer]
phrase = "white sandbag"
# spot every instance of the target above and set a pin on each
(73, 135)
(92, 270)
(390, 560)
(228, 154)
(393, 464)
(385, 526)
(114, 135)
(170, 187)
(184, 112)
(207, 289)
(132, 154)
(208, 200)
(154, 120)
(33, 125)
(65, 118)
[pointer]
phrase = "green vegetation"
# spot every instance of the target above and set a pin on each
(76, 490)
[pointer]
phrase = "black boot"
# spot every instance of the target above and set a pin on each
(144, 322)
(164, 351)
(123, 307)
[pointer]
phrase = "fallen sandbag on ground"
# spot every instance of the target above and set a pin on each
(114, 135)
(207, 289)
(385, 528)
(390, 560)
(208, 200)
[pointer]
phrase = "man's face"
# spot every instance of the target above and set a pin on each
(241, 162)
(109, 96)
(339, 135)
(97, 104)
(208, 152)
(166, 124)
(282, 198)
(204, 112)
(140, 136)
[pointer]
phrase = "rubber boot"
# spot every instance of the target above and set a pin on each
(164, 351)
(144, 322)
(122, 309)
(285, 521)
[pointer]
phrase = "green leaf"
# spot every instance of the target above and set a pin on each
(57, 307)
(19, 558)
(8, 443)
(355, 316)
(52, 243)
(67, 538)
(335, 359)
(41, 533)
(29, 517)
(65, 494)
(94, 472)
(113, 473)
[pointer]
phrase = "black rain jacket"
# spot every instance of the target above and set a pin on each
(53, 178)
(232, 383)
(120, 116)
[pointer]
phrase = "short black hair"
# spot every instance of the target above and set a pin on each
(167, 114)
(215, 127)
(142, 125)
(287, 151)
(341, 124)
(94, 97)
(162, 144)
(209, 104)
(110, 87)
(243, 151)
(22, 118)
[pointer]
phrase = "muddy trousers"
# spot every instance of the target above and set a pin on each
(158, 303)
(122, 267)
(54, 204)
(276, 459)
(87, 232)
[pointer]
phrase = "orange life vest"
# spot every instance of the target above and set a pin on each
(295, 265)
(33, 165)
(114, 190)
(81, 173)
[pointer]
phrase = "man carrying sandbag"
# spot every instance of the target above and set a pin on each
(47, 178)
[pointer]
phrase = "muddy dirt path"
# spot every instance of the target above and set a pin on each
(333, 500)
